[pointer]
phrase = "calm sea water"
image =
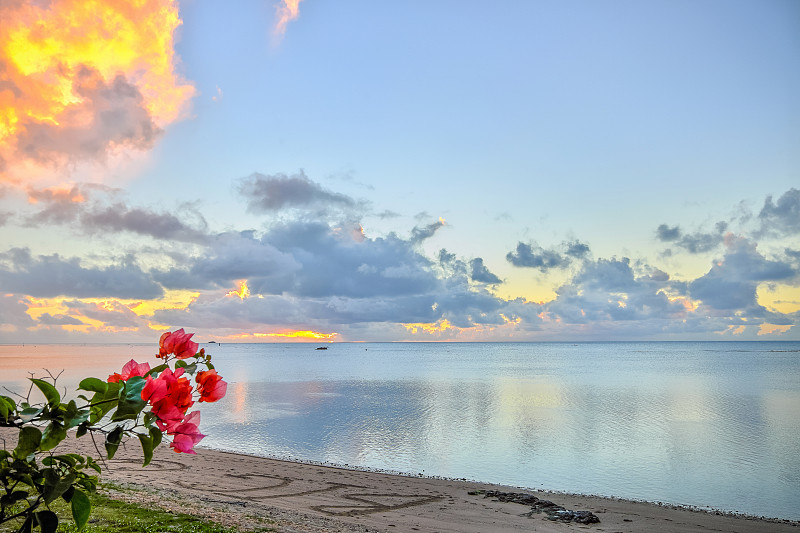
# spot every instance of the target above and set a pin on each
(712, 424)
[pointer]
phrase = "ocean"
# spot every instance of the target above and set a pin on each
(714, 425)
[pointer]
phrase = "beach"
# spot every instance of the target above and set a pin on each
(237, 489)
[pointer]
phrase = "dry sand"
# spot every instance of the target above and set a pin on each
(299, 497)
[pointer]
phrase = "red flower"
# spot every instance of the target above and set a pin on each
(210, 386)
(186, 434)
(177, 342)
(170, 396)
(131, 368)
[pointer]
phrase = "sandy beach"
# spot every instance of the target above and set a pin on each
(298, 497)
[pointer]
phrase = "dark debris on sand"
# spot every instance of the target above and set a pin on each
(537, 505)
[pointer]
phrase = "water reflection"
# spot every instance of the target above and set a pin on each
(668, 426)
(710, 424)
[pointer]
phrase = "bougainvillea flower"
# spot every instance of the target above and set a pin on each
(177, 342)
(131, 368)
(170, 396)
(210, 386)
(154, 390)
(169, 416)
(186, 434)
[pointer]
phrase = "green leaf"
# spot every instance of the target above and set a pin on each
(54, 433)
(56, 485)
(81, 507)
(149, 420)
(9, 499)
(29, 413)
(29, 440)
(71, 459)
(112, 441)
(49, 391)
(156, 435)
(74, 416)
(156, 370)
(147, 448)
(91, 463)
(7, 407)
(82, 429)
(104, 402)
(93, 385)
(130, 399)
(48, 521)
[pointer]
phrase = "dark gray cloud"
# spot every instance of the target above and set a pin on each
(534, 256)
(113, 314)
(59, 320)
(421, 233)
(234, 256)
(14, 311)
(87, 209)
(531, 255)
(479, 272)
(111, 114)
(781, 218)
(577, 249)
(309, 259)
(695, 243)
(47, 276)
(732, 283)
(667, 234)
(267, 194)
(383, 215)
(608, 290)
(318, 275)
(121, 218)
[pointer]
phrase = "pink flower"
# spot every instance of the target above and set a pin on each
(156, 389)
(177, 342)
(186, 434)
(210, 386)
(170, 396)
(131, 368)
(169, 416)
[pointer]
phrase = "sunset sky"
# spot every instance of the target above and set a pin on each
(388, 171)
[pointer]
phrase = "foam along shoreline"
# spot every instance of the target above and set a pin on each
(306, 497)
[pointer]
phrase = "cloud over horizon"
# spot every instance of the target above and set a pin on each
(306, 270)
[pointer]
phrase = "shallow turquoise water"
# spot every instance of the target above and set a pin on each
(705, 424)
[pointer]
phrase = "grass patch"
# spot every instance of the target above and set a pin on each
(115, 516)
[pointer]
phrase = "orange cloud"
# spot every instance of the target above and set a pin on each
(292, 334)
(242, 292)
(70, 64)
(73, 317)
(285, 12)
(769, 329)
(430, 327)
(57, 194)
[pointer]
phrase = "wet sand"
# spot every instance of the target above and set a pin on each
(300, 497)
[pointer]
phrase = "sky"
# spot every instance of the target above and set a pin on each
(314, 171)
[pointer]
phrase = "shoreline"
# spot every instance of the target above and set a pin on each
(517, 488)
(243, 490)
(305, 496)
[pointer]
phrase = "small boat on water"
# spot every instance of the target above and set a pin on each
(322, 348)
